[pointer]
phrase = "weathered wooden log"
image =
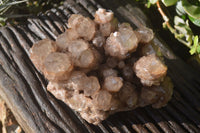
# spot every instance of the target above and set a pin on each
(37, 111)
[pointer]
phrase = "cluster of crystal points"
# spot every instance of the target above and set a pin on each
(95, 69)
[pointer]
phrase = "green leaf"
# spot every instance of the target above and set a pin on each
(195, 45)
(182, 26)
(153, 1)
(169, 2)
(148, 4)
(198, 49)
(195, 21)
(192, 10)
(192, 50)
(178, 20)
(183, 31)
(179, 8)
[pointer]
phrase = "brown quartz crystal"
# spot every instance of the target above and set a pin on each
(150, 70)
(40, 51)
(98, 67)
(121, 42)
(108, 27)
(58, 66)
(128, 94)
(90, 85)
(106, 72)
(102, 17)
(112, 84)
(60, 89)
(145, 35)
(98, 40)
(102, 100)
(64, 39)
(85, 27)
(76, 47)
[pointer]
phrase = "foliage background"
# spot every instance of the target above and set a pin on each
(178, 23)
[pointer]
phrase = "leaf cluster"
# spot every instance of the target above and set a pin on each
(186, 11)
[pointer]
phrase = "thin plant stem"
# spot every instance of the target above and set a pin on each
(166, 23)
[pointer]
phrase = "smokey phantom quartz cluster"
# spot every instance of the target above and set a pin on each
(95, 69)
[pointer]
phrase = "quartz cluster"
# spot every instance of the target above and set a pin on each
(99, 67)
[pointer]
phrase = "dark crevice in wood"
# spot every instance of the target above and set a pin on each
(95, 4)
(5, 47)
(50, 25)
(45, 25)
(158, 119)
(66, 12)
(88, 6)
(75, 8)
(136, 125)
(29, 34)
(146, 121)
(57, 23)
(60, 16)
(172, 116)
(34, 29)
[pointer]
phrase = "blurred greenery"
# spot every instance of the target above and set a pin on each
(185, 13)
(14, 11)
